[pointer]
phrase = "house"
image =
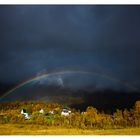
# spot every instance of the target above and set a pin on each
(41, 111)
(51, 112)
(26, 115)
(65, 112)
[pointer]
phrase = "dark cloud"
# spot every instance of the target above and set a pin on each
(36, 38)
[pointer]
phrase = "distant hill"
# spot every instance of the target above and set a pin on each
(108, 100)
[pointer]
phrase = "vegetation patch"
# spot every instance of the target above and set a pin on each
(51, 121)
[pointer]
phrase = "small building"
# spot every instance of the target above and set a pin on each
(65, 112)
(41, 111)
(26, 115)
(51, 112)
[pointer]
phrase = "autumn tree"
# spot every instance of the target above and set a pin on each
(91, 116)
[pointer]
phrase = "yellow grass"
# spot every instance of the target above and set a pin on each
(21, 129)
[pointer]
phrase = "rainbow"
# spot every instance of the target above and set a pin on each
(67, 72)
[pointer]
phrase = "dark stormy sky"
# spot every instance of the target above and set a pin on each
(35, 38)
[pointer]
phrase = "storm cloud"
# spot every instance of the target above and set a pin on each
(35, 38)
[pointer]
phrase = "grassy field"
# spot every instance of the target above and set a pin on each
(19, 129)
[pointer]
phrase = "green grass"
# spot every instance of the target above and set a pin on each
(21, 129)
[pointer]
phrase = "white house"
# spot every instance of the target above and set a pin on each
(65, 112)
(26, 115)
(41, 111)
(51, 112)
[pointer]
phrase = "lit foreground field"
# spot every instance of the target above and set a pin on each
(19, 129)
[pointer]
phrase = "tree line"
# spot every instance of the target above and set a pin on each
(90, 118)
